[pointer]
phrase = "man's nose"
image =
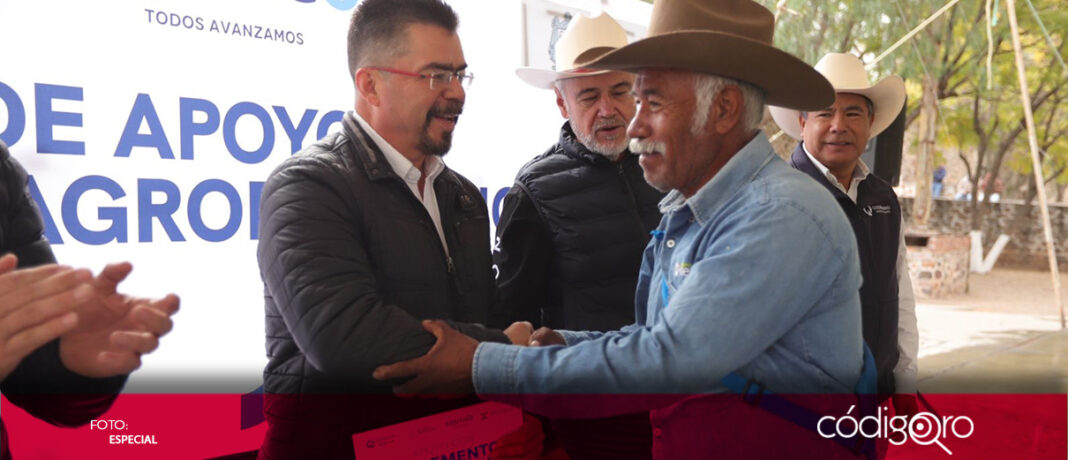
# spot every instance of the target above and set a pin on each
(605, 108)
(454, 89)
(838, 122)
(638, 129)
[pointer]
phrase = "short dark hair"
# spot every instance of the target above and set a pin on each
(871, 107)
(377, 29)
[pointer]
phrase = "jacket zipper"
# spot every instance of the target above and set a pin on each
(428, 224)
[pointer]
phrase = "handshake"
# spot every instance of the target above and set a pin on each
(445, 370)
(522, 333)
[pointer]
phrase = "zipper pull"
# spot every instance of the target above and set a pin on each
(448, 262)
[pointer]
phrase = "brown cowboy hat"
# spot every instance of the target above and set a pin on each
(729, 38)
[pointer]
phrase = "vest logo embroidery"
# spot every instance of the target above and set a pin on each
(880, 209)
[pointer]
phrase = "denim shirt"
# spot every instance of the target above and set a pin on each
(762, 274)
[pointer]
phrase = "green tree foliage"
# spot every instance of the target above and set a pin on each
(977, 115)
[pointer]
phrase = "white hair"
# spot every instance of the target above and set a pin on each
(706, 87)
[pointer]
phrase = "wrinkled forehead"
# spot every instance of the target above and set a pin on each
(662, 81)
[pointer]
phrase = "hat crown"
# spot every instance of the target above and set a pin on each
(742, 18)
(583, 34)
(844, 71)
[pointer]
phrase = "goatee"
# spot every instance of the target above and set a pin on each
(429, 146)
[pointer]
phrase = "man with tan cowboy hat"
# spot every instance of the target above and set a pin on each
(832, 140)
(573, 227)
(752, 275)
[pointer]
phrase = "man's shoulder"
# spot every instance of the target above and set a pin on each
(877, 188)
(12, 177)
(322, 160)
(781, 186)
(786, 185)
(551, 161)
(460, 181)
(8, 165)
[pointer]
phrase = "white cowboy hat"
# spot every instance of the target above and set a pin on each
(584, 39)
(847, 75)
(728, 38)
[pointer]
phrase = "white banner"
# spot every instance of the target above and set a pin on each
(148, 128)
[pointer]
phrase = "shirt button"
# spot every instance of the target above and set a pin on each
(670, 243)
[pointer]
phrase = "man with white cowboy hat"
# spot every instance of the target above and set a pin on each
(831, 142)
(727, 289)
(574, 224)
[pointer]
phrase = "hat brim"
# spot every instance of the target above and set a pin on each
(786, 80)
(887, 98)
(544, 79)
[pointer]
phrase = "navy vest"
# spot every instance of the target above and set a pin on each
(876, 220)
(598, 214)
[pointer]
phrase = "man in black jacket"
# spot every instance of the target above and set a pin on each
(366, 233)
(574, 225)
(67, 339)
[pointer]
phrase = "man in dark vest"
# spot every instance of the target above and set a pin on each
(574, 225)
(832, 141)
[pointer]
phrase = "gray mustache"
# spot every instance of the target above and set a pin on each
(640, 146)
(608, 123)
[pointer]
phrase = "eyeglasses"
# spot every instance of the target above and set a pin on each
(438, 79)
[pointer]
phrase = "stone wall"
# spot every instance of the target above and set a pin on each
(938, 264)
(1023, 224)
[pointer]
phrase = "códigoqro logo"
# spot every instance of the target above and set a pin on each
(343, 5)
(923, 428)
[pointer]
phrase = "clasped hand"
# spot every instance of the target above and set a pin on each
(102, 333)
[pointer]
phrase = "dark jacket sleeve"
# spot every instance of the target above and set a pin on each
(315, 267)
(522, 254)
(40, 384)
(22, 229)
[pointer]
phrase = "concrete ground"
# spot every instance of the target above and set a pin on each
(998, 356)
(1003, 336)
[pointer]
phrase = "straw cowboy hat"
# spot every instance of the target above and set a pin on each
(584, 39)
(729, 38)
(847, 75)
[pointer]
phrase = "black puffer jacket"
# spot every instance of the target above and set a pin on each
(571, 237)
(41, 385)
(351, 263)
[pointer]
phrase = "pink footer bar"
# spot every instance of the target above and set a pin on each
(184, 426)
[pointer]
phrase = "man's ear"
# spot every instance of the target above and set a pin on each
(726, 109)
(561, 104)
(366, 82)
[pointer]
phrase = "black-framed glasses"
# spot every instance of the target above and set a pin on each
(437, 79)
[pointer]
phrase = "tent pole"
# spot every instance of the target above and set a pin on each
(1036, 162)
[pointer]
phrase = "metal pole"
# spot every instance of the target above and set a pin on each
(1037, 164)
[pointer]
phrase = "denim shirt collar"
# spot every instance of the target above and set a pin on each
(738, 171)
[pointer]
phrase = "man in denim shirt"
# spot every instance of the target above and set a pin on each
(753, 269)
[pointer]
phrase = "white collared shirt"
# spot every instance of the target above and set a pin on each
(908, 337)
(410, 175)
(859, 174)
